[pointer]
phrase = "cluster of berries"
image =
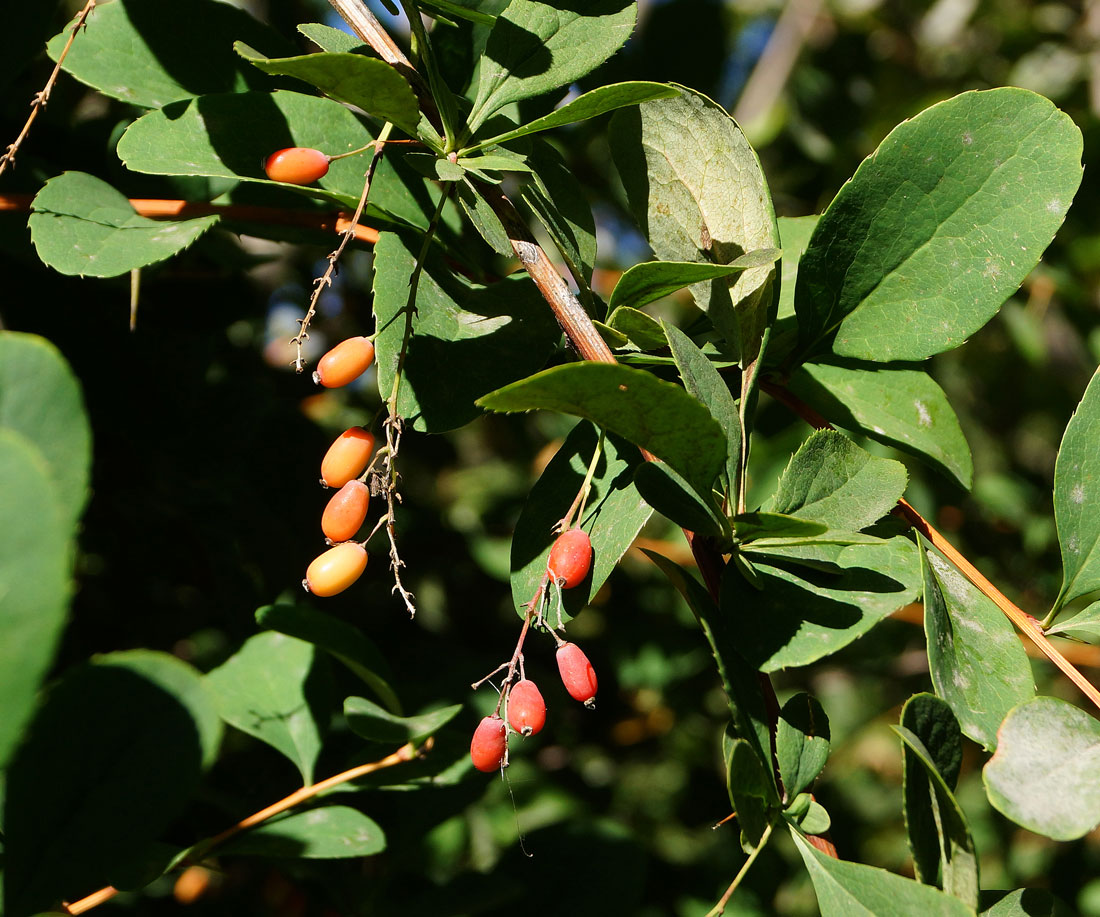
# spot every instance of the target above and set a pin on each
(343, 465)
(567, 566)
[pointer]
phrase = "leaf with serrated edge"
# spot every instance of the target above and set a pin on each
(613, 517)
(535, 47)
(323, 832)
(697, 190)
(651, 413)
(366, 82)
(1043, 774)
(977, 663)
(832, 480)
(1077, 498)
(81, 225)
(895, 405)
(483, 335)
(268, 688)
(847, 889)
(938, 227)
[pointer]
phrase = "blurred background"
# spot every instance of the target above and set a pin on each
(206, 502)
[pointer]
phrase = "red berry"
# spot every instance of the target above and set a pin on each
(346, 511)
(489, 744)
(336, 569)
(570, 558)
(345, 363)
(526, 708)
(577, 674)
(347, 457)
(296, 165)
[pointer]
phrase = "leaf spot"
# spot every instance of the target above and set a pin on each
(967, 138)
(622, 388)
(1054, 206)
(1077, 495)
(923, 417)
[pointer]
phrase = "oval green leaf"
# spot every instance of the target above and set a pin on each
(324, 832)
(377, 724)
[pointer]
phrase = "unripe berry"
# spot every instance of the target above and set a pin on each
(336, 569)
(347, 457)
(577, 674)
(296, 165)
(570, 558)
(489, 744)
(345, 363)
(346, 511)
(526, 708)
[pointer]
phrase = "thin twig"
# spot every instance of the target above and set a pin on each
(1025, 622)
(325, 280)
(720, 907)
(41, 98)
(403, 754)
(393, 426)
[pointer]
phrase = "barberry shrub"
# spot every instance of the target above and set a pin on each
(661, 391)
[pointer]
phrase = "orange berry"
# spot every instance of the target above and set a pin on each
(346, 511)
(345, 363)
(296, 165)
(347, 457)
(336, 569)
(489, 744)
(526, 708)
(577, 674)
(570, 558)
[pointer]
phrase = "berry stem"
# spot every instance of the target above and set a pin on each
(720, 907)
(582, 495)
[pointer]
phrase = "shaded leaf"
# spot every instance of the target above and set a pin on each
(377, 724)
(483, 336)
(801, 743)
(652, 280)
(613, 517)
(1023, 902)
(324, 832)
(833, 481)
(641, 330)
(750, 527)
(653, 414)
(336, 41)
(112, 757)
(938, 227)
(1043, 774)
(794, 237)
(750, 786)
(270, 690)
(484, 218)
(1084, 625)
(535, 47)
(1077, 498)
(366, 82)
(977, 663)
(847, 889)
(669, 494)
(898, 406)
(81, 225)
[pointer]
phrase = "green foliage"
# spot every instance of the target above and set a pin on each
(321, 833)
(379, 725)
(801, 743)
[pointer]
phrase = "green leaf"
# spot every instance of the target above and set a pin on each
(558, 200)
(34, 575)
(534, 47)
(344, 641)
(652, 280)
(447, 8)
(336, 41)
(698, 192)
(847, 889)
(40, 398)
(366, 82)
(112, 757)
(481, 336)
(377, 724)
(134, 52)
(1023, 902)
(939, 836)
(445, 170)
(271, 689)
(1084, 625)
(938, 227)
(484, 218)
(1043, 774)
(1077, 498)
(796, 618)
(751, 527)
(701, 378)
(833, 481)
(794, 237)
(324, 832)
(895, 405)
(653, 414)
(81, 225)
(641, 330)
(742, 684)
(230, 136)
(494, 163)
(613, 517)
(801, 743)
(592, 104)
(675, 499)
(977, 662)
(750, 786)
